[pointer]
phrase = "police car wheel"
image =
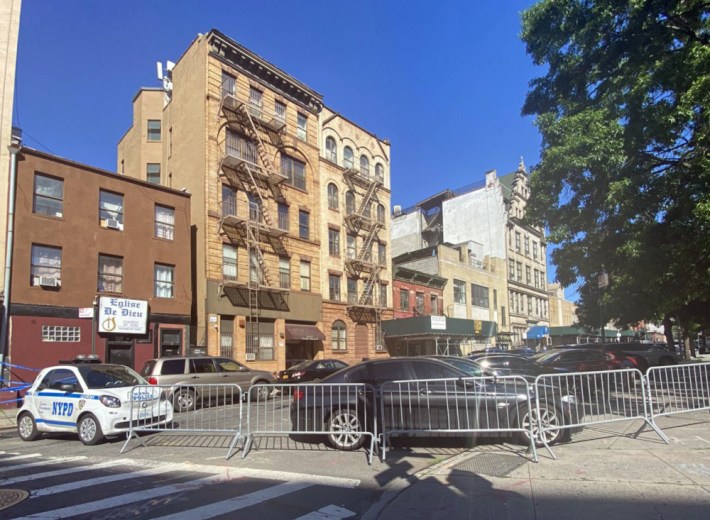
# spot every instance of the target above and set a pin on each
(90, 430)
(27, 428)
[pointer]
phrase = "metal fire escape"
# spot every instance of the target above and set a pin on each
(360, 262)
(245, 166)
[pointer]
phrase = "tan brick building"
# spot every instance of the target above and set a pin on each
(244, 138)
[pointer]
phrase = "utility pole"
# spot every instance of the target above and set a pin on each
(602, 282)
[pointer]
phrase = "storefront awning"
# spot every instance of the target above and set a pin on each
(303, 333)
(538, 331)
(439, 326)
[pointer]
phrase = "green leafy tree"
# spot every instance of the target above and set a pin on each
(624, 180)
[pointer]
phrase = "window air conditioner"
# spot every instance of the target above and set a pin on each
(379, 348)
(48, 281)
(251, 356)
(112, 223)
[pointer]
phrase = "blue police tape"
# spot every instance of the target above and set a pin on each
(15, 388)
(3, 363)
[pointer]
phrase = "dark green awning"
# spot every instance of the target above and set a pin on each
(439, 326)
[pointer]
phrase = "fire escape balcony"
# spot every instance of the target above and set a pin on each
(245, 173)
(271, 122)
(247, 225)
(356, 177)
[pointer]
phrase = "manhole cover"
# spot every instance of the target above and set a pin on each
(10, 497)
(491, 464)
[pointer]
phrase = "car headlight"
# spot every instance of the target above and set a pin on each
(110, 401)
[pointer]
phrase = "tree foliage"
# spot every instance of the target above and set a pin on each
(624, 180)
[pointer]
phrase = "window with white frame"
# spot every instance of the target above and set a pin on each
(46, 265)
(153, 129)
(379, 172)
(334, 287)
(61, 334)
(110, 277)
(48, 196)
(239, 146)
(348, 158)
(333, 242)
(111, 209)
(283, 217)
(164, 281)
(351, 246)
(380, 213)
(419, 302)
(284, 272)
(280, 112)
(381, 254)
(333, 201)
(256, 272)
(404, 299)
(255, 101)
(339, 336)
(229, 85)
(331, 150)
(349, 202)
(305, 275)
(164, 222)
(152, 173)
(302, 129)
(459, 291)
(229, 201)
(511, 269)
(304, 226)
(229, 262)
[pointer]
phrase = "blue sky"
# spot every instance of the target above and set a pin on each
(443, 81)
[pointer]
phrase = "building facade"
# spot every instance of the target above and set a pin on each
(248, 141)
(87, 241)
(417, 293)
(563, 313)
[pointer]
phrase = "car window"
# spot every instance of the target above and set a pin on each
(302, 364)
(110, 376)
(172, 367)
(322, 365)
(428, 370)
(339, 364)
(378, 373)
(147, 369)
(61, 376)
(228, 365)
(202, 366)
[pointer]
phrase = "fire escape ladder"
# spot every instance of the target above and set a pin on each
(262, 210)
(250, 127)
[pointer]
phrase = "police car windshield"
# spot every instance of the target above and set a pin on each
(110, 376)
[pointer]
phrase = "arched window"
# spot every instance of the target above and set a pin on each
(332, 196)
(339, 336)
(380, 214)
(331, 150)
(380, 172)
(349, 203)
(364, 166)
(348, 157)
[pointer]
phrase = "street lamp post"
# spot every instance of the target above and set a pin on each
(602, 282)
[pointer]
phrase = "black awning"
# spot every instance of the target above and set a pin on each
(303, 333)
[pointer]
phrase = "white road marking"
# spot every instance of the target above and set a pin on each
(15, 456)
(65, 471)
(330, 512)
(77, 484)
(43, 463)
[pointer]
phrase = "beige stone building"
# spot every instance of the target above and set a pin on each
(563, 313)
(245, 138)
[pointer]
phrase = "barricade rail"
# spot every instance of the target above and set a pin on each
(188, 409)
(345, 413)
(678, 389)
(456, 407)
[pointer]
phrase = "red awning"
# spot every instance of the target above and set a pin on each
(303, 333)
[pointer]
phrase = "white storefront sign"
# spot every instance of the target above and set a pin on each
(122, 316)
(438, 322)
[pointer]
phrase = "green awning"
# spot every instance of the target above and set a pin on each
(439, 326)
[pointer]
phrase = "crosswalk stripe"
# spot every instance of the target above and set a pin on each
(120, 500)
(20, 457)
(58, 472)
(45, 462)
(78, 484)
(330, 512)
(237, 503)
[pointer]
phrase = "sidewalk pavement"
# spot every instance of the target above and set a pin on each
(7, 418)
(604, 473)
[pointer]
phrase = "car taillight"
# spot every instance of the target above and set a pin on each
(298, 394)
(152, 381)
(298, 373)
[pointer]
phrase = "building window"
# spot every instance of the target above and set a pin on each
(537, 279)
(530, 306)
(517, 241)
(381, 254)
(110, 274)
(351, 247)
(256, 272)
(164, 222)
(111, 209)
(229, 201)
(527, 245)
(302, 129)
(334, 287)
(419, 302)
(61, 334)
(379, 172)
(331, 150)
(349, 202)
(404, 299)
(46, 266)
(459, 291)
(229, 85)
(352, 290)
(364, 166)
(153, 129)
(528, 276)
(383, 295)
(255, 102)
(283, 217)
(255, 212)
(334, 242)
(305, 275)
(284, 272)
(164, 281)
(503, 321)
(260, 341)
(280, 112)
(304, 224)
(380, 213)
(48, 196)
(534, 250)
(348, 158)
(511, 269)
(294, 171)
(333, 197)
(229, 262)
(338, 336)
(479, 295)
(239, 146)
(519, 271)
(434, 305)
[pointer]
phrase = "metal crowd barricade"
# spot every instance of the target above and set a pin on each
(344, 412)
(457, 407)
(200, 408)
(588, 398)
(677, 389)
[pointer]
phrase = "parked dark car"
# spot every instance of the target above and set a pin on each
(347, 411)
(470, 367)
(509, 364)
(310, 370)
(577, 359)
(641, 355)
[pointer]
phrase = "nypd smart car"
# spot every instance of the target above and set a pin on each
(93, 399)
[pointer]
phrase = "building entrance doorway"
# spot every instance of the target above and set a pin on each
(120, 351)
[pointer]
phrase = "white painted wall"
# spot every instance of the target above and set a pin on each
(406, 233)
